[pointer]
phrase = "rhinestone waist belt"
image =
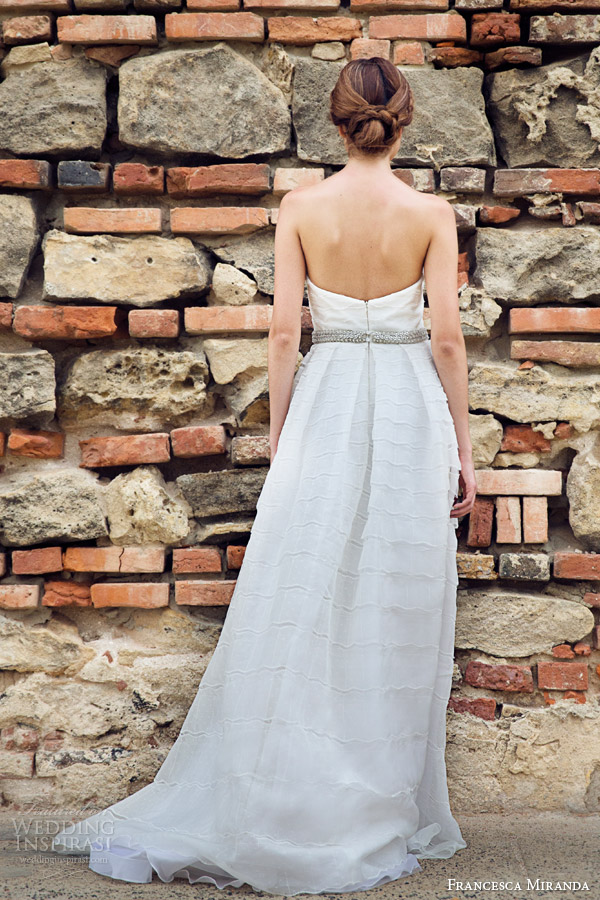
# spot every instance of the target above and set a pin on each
(380, 337)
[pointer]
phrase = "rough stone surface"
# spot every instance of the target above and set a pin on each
(53, 107)
(141, 388)
(228, 358)
(558, 265)
(524, 566)
(538, 758)
(27, 386)
(139, 271)
(247, 396)
(449, 126)
(231, 286)
(18, 241)
(486, 437)
(506, 624)
(478, 313)
(583, 491)
(142, 508)
(228, 491)
(541, 393)
(549, 115)
(55, 648)
(206, 100)
(254, 255)
(63, 504)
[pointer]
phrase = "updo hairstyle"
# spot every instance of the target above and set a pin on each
(372, 100)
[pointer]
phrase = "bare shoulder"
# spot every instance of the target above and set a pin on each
(442, 208)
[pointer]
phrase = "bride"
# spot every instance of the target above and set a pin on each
(312, 757)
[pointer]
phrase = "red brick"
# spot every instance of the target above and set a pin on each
(198, 440)
(89, 220)
(364, 48)
(495, 28)
(499, 677)
(197, 559)
(204, 593)
(124, 450)
(224, 178)
(434, 27)
(132, 559)
(523, 439)
(19, 596)
(235, 556)
(508, 520)
(2, 563)
(40, 323)
(19, 737)
(286, 179)
(146, 594)
(551, 319)
(497, 215)
(408, 53)
(66, 593)
(559, 676)
(26, 30)
(53, 740)
(582, 649)
(583, 566)
(135, 178)
(453, 57)
(309, 5)
(533, 5)
(535, 520)
(513, 56)
(30, 174)
(36, 444)
(218, 219)
(593, 599)
(518, 481)
(214, 26)
(26, 5)
(220, 5)
(303, 30)
(563, 431)
(564, 353)
(106, 29)
(112, 55)
(154, 323)
(37, 561)
(518, 182)
(210, 319)
(6, 311)
(563, 651)
(482, 707)
(250, 450)
(386, 5)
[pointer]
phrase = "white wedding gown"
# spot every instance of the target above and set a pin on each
(312, 757)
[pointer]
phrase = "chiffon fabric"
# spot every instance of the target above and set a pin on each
(312, 757)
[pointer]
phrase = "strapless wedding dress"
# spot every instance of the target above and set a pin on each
(312, 757)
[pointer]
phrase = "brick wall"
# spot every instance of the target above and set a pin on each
(144, 148)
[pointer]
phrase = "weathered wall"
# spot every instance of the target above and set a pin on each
(143, 151)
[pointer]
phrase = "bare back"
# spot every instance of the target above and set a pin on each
(363, 237)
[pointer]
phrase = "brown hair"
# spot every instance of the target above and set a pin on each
(372, 100)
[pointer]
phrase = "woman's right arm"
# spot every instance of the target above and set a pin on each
(447, 340)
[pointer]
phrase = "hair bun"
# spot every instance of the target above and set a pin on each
(372, 100)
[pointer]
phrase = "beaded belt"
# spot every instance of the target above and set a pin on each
(381, 337)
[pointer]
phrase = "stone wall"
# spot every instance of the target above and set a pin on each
(144, 148)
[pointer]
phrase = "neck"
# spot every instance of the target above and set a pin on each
(364, 165)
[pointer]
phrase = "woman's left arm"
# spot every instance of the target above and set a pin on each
(285, 328)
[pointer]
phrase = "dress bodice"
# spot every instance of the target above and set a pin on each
(400, 310)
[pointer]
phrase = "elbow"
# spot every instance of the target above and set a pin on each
(449, 345)
(284, 338)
